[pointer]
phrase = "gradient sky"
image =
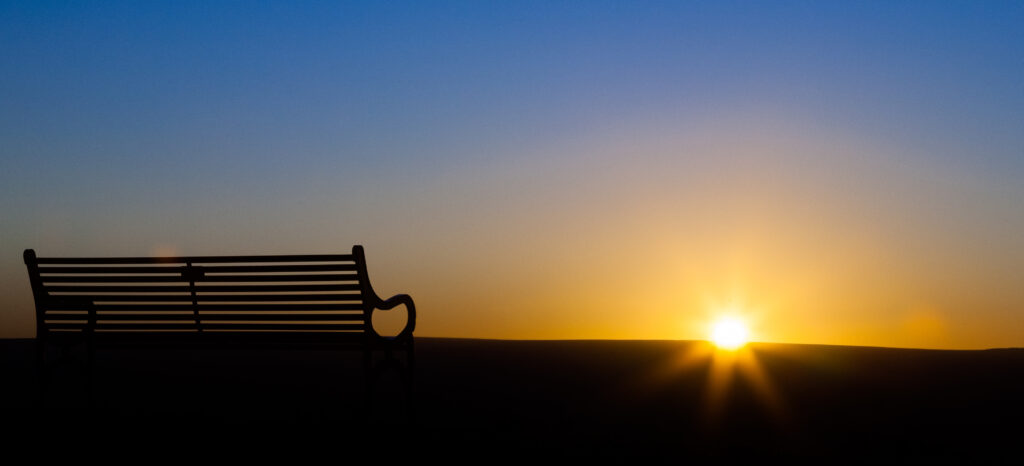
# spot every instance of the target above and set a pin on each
(842, 173)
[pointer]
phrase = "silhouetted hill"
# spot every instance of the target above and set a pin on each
(498, 398)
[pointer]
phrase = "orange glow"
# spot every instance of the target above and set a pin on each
(651, 246)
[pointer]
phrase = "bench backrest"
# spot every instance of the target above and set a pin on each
(296, 293)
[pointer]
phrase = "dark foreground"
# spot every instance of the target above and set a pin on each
(493, 399)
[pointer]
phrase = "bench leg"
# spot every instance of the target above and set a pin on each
(410, 357)
(373, 371)
(368, 381)
(41, 373)
(89, 364)
(410, 379)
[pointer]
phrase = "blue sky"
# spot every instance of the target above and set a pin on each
(247, 127)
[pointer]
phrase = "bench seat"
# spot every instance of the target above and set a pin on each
(225, 302)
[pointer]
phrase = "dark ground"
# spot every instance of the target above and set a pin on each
(511, 398)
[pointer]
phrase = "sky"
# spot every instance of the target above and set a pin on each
(833, 172)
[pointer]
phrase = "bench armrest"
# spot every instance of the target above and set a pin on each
(410, 307)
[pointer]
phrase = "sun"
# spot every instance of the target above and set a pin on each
(729, 333)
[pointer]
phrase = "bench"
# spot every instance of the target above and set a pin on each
(231, 302)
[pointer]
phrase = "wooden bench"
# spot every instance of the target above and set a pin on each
(238, 302)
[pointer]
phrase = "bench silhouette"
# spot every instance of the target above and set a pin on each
(231, 302)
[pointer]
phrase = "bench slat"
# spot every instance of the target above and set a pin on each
(279, 278)
(134, 298)
(207, 278)
(230, 307)
(92, 289)
(196, 259)
(216, 298)
(281, 307)
(178, 268)
(144, 307)
(280, 297)
(129, 326)
(175, 269)
(125, 326)
(200, 288)
(123, 316)
(281, 326)
(277, 268)
(204, 317)
(112, 279)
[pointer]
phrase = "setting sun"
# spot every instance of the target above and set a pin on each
(729, 333)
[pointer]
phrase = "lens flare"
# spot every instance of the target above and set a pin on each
(729, 333)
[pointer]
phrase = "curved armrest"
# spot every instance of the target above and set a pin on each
(390, 303)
